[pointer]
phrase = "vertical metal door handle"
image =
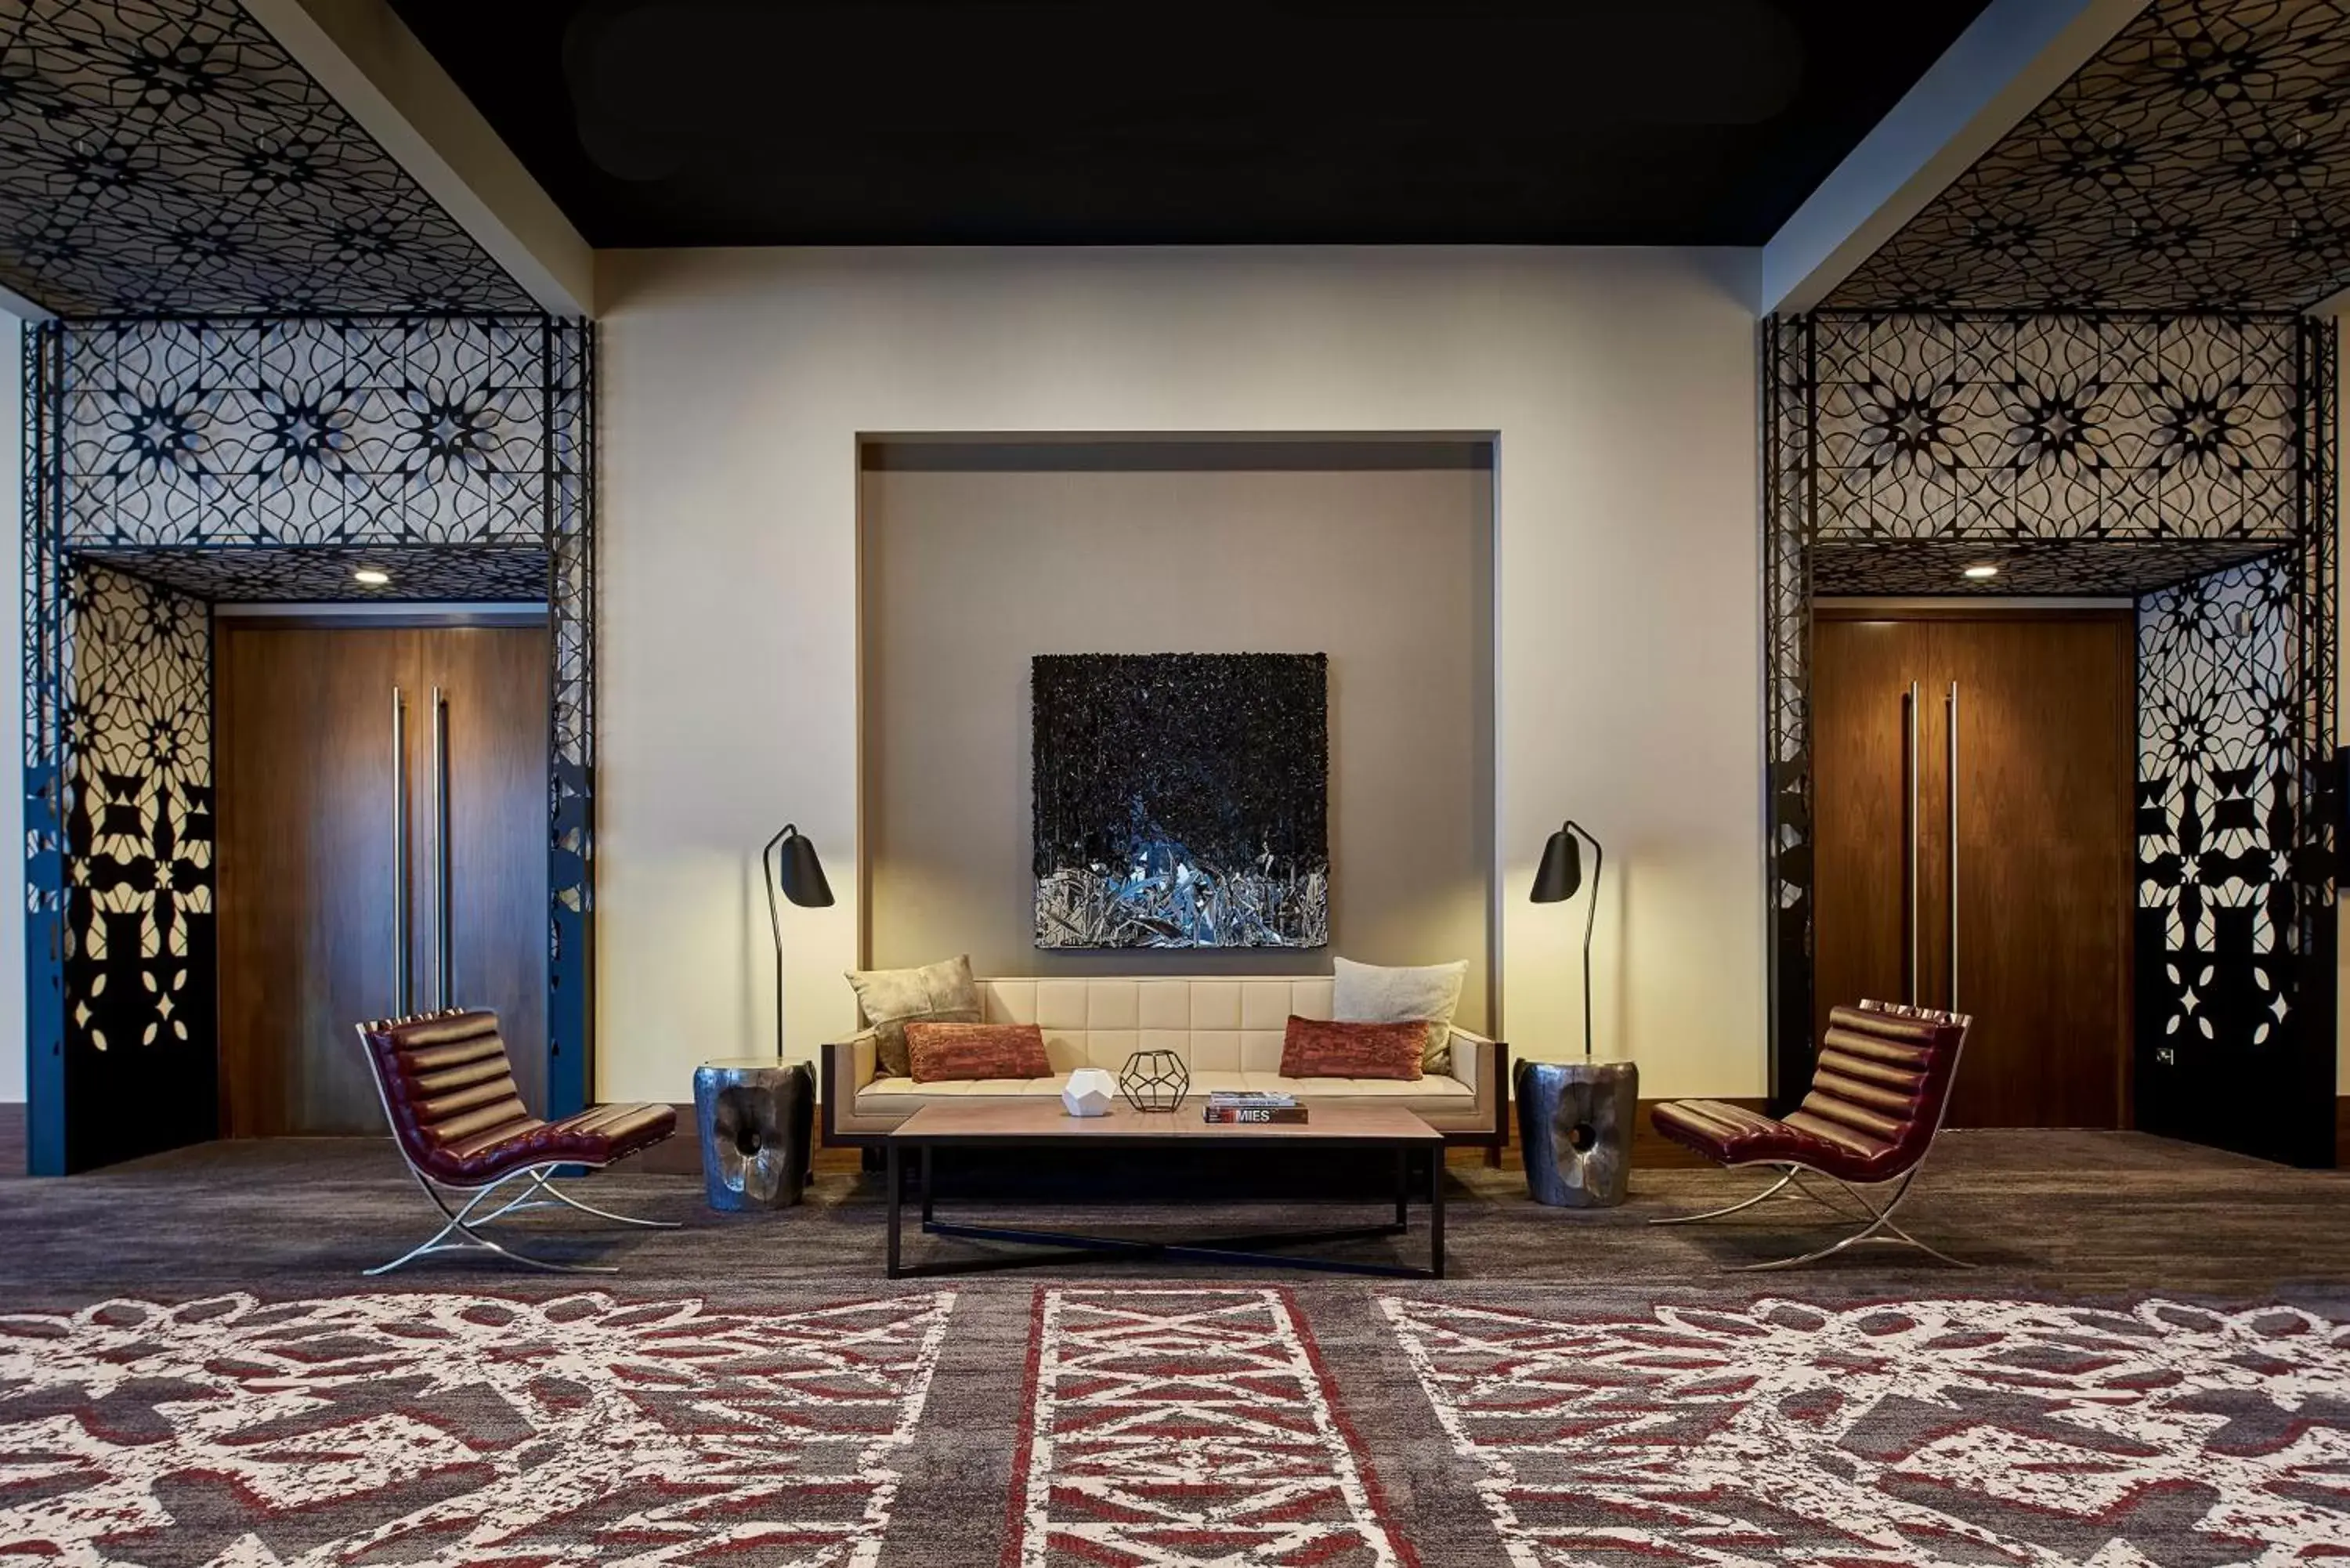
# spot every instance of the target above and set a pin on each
(1952, 710)
(1912, 770)
(400, 998)
(442, 946)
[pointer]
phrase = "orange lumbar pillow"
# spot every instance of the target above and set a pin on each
(1318, 1048)
(942, 1052)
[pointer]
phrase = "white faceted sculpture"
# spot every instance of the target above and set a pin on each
(1089, 1092)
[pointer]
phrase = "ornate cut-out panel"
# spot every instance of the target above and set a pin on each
(2038, 428)
(2197, 161)
(323, 574)
(140, 935)
(1787, 490)
(1181, 800)
(570, 500)
(315, 431)
(169, 157)
(1923, 569)
(2219, 700)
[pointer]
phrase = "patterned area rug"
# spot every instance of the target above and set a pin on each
(457, 1428)
(1187, 1426)
(1910, 1433)
(1142, 1424)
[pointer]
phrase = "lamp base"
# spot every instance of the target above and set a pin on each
(1574, 1123)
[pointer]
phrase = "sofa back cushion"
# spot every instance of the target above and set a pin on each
(942, 1052)
(887, 998)
(1318, 1048)
(1215, 1025)
(1380, 993)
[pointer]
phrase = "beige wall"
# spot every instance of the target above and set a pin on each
(970, 573)
(1621, 385)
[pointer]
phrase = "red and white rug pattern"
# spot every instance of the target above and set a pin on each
(1186, 1427)
(457, 1428)
(1985, 1432)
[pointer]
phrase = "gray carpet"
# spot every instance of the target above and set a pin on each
(2079, 1213)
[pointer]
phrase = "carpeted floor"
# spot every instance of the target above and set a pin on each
(2082, 1213)
(2146, 1370)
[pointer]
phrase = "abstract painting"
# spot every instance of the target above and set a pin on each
(1182, 800)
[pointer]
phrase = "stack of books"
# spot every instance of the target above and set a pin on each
(1232, 1105)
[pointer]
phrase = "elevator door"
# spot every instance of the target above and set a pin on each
(2023, 918)
(345, 855)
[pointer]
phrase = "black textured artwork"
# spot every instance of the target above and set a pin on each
(1181, 800)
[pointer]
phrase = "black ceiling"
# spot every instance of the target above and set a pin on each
(673, 122)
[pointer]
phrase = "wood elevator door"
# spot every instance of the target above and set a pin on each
(2043, 860)
(308, 878)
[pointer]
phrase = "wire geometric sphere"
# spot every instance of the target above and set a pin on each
(1154, 1081)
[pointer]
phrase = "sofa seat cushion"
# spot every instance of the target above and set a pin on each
(1444, 1101)
(905, 1095)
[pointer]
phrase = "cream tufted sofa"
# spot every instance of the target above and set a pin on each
(1228, 1032)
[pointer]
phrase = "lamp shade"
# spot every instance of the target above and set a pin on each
(1561, 874)
(801, 873)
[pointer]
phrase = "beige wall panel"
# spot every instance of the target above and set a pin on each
(1621, 385)
(967, 575)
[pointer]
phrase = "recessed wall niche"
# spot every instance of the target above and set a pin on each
(979, 553)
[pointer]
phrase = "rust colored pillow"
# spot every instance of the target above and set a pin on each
(1317, 1048)
(941, 1053)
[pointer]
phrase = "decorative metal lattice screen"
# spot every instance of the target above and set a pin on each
(2196, 162)
(2187, 461)
(138, 935)
(174, 462)
(171, 157)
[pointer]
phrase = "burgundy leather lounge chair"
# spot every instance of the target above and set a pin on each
(1878, 1093)
(448, 1088)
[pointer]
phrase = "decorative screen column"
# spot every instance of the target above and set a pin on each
(2187, 461)
(174, 464)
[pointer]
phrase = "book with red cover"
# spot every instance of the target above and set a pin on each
(1237, 1115)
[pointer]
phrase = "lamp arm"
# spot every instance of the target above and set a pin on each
(775, 925)
(1590, 922)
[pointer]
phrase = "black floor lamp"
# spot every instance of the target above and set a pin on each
(1576, 1118)
(801, 877)
(1559, 878)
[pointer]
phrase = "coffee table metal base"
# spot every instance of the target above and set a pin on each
(1249, 1251)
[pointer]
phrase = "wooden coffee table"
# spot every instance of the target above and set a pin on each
(1042, 1124)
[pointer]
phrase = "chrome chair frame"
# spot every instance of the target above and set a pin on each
(461, 1218)
(1879, 1227)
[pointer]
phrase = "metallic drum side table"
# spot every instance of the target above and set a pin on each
(1575, 1124)
(757, 1120)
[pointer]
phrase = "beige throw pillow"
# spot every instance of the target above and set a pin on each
(1376, 993)
(891, 997)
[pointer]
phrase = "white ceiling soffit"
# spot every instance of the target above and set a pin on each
(363, 55)
(2016, 54)
(17, 305)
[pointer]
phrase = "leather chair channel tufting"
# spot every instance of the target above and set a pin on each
(1878, 1094)
(448, 1089)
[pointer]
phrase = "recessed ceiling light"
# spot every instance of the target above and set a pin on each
(371, 577)
(1978, 573)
